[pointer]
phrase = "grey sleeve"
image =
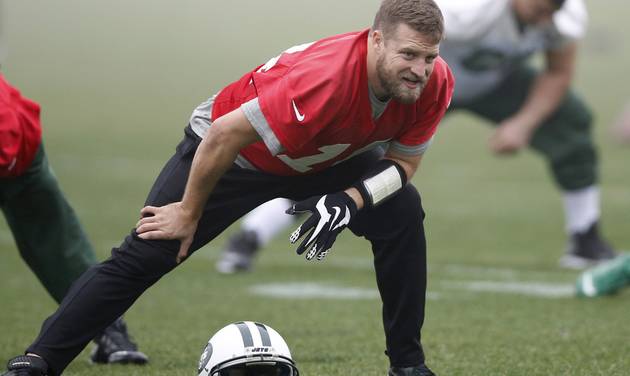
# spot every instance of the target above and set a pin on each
(254, 114)
(409, 150)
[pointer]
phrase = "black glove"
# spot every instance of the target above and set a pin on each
(330, 214)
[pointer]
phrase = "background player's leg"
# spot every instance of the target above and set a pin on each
(46, 229)
(257, 229)
(53, 243)
(566, 142)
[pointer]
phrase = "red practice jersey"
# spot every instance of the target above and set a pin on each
(20, 131)
(311, 106)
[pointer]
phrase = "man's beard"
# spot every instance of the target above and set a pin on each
(395, 87)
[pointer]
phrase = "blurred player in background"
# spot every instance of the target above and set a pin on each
(307, 125)
(257, 229)
(47, 232)
(488, 44)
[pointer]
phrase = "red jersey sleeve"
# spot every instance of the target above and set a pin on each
(431, 107)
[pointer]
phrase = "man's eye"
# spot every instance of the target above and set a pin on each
(431, 58)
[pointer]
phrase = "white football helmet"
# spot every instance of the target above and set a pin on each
(246, 348)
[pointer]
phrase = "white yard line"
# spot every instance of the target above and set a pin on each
(316, 290)
(313, 290)
(539, 289)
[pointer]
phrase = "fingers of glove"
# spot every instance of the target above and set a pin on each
(312, 252)
(304, 228)
(311, 237)
(322, 255)
(327, 243)
(309, 242)
(319, 232)
(303, 206)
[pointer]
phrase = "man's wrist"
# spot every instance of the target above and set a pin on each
(382, 181)
(528, 120)
(355, 195)
(190, 211)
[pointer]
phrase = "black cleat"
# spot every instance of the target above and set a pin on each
(26, 365)
(239, 253)
(114, 346)
(586, 249)
(421, 370)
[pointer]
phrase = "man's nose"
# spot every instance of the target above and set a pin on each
(419, 68)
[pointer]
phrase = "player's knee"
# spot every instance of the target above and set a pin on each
(398, 214)
(406, 205)
(576, 114)
(400, 211)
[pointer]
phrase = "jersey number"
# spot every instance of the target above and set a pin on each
(328, 152)
(304, 164)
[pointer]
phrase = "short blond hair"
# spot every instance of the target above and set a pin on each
(423, 16)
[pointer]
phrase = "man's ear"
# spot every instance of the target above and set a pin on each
(378, 41)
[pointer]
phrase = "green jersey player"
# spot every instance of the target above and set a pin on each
(488, 45)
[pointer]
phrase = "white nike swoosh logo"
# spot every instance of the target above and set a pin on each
(300, 117)
(337, 212)
(345, 221)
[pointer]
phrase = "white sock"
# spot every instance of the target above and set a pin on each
(268, 219)
(581, 209)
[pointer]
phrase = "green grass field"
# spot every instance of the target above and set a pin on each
(117, 81)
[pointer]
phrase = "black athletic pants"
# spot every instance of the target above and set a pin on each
(107, 290)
